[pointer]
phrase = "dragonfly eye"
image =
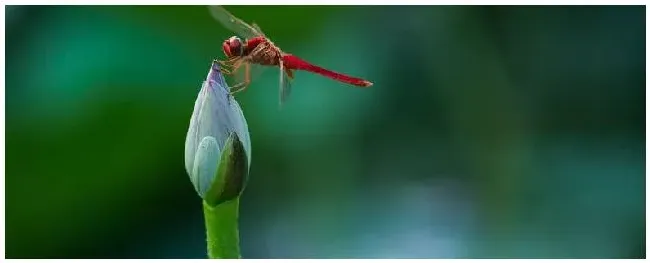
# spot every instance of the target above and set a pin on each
(233, 47)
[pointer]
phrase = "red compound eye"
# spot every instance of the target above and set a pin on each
(233, 47)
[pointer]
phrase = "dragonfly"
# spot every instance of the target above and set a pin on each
(247, 58)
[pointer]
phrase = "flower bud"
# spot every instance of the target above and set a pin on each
(217, 147)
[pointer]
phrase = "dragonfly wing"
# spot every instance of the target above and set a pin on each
(258, 29)
(233, 23)
(285, 84)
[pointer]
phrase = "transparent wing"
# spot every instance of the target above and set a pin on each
(285, 83)
(258, 29)
(233, 23)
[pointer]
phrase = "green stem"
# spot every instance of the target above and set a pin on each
(222, 229)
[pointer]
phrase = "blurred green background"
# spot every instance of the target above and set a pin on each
(489, 132)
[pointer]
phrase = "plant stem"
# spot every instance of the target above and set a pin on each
(222, 229)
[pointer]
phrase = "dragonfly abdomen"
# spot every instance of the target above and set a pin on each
(294, 62)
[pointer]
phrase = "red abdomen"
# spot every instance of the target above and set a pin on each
(293, 62)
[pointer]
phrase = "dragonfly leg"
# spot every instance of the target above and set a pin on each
(224, 66)
(226, 71)
(243, 85)
(224, 63)
(238, 87)
(228, 61)
(229, 66)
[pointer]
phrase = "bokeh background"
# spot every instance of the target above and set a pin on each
(489, 132)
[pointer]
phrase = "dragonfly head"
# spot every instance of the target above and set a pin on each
(233, 47)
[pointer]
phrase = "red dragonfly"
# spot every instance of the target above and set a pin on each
(245, 57)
